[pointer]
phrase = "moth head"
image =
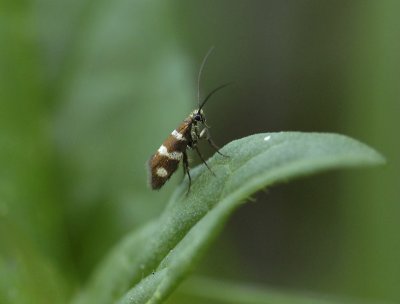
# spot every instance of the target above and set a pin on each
(198, 116)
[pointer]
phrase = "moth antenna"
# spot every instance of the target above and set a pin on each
(201, 71)
(212, 93)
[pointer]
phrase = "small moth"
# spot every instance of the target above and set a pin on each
(174, 149)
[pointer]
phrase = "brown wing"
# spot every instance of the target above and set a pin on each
(166, 160)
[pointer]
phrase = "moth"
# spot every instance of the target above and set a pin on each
(186, 136)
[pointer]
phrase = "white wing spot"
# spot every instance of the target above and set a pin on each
(175, 155)
(171, 155)
(177, 135)
(267, 138)
(163, 150)
(161, 172)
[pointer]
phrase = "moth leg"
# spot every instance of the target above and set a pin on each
(196, 131)
(186, 170)
(206, 133)
(203, 160)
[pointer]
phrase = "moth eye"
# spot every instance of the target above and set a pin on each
(197, 117)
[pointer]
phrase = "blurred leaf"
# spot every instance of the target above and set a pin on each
(87, 90)
(207, 290)
(125, 84)
(155, 259)
(32, 239)
(371, 113)
(122, 91)
(26, 276)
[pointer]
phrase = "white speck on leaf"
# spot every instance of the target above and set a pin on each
(266, 138)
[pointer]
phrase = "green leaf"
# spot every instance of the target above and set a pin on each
(32, 238)
(154, 260)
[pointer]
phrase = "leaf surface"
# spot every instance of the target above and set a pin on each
(154, 260)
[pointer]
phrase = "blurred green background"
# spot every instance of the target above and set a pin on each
(89, 89)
